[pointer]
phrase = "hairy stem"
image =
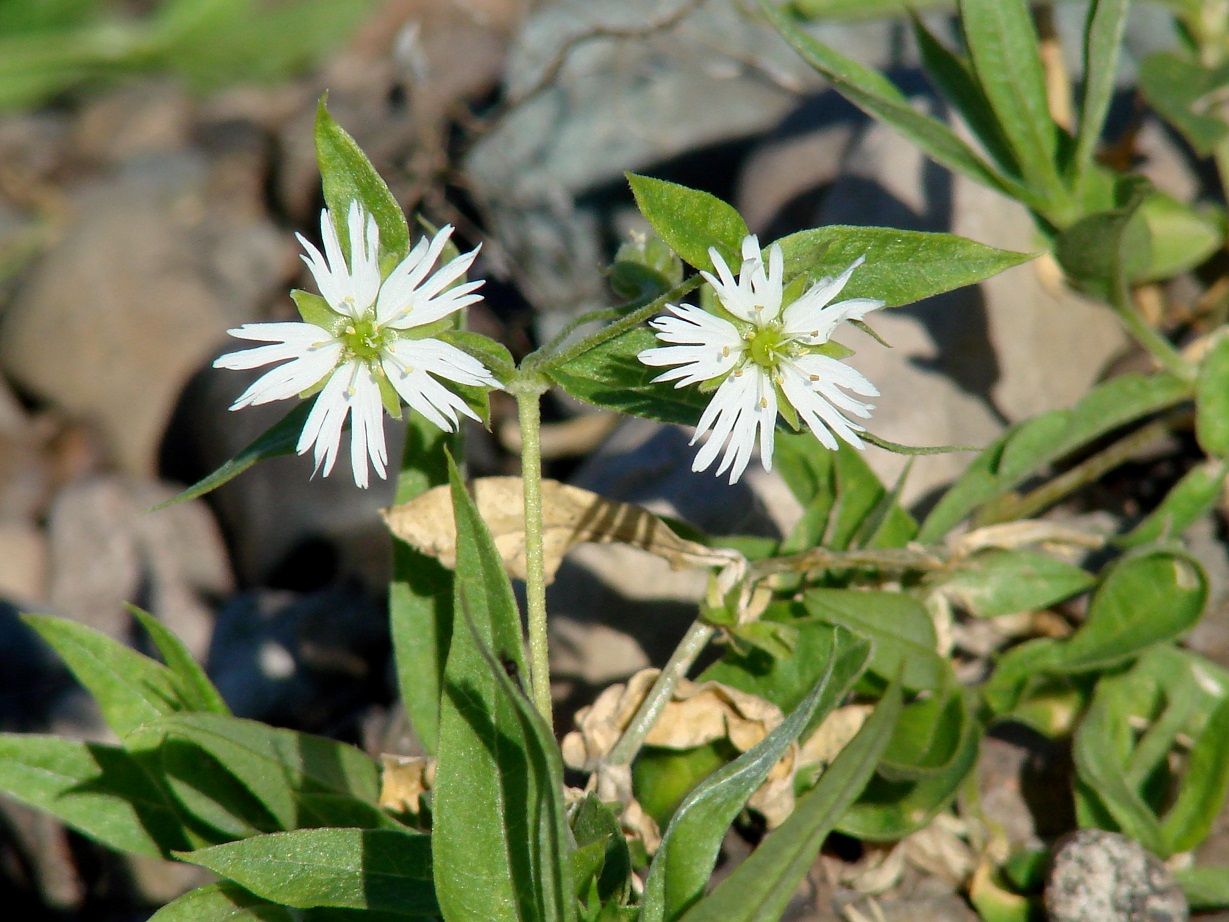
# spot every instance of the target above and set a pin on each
(530, 416)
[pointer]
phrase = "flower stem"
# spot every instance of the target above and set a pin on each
(690, 647)
(530, 417)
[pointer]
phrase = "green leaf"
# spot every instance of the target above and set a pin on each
(420, 594)
(691, 221)
(1181, 237)
(223, 902)
(684, 862)
(1206, 888)
(785, 681)
(131, 689)
(1184, 92)
(348, 176)
(102, 791)
(900, 628)
(1212, 401)
(760, 888)
(240, 776)
(1001, 582)
(878, 97)
(1144, 599)
(612, 377)
(1007, 60)
(498, 828)
(1103, 31)
(892, 805)
(226, 901)
(1101, 253)
(372, 869)
(280, 439)
(1188, 500)
(1028, 447)
(949, 73)
(1204, 785)
(192, 684)
(595, 823)
(901, 266)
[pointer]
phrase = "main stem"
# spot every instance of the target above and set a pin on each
(530, 416)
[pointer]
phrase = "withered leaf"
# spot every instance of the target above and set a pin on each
(570, 516)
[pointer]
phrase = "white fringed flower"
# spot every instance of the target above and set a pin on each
(374, 333)
(763, 356)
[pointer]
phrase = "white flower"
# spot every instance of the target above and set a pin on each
(759, 355)
(373, 334)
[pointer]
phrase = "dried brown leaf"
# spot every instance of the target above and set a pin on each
(570, 516)
(405, 780)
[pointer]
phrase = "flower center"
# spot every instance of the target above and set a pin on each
(364, 340)
(768, 345)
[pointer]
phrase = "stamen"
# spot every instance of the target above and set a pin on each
(725, 352)
(814, 377)
(763, 403)
(738, 372)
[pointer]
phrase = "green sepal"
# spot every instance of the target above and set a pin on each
(316, 311)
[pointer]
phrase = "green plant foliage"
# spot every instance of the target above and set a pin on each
(1102, 41)
(191, 684)
(881, 99)
(1189, 500)
(901, 266)
(1212, 401)
(759, 889)
(1027, 447)
(108, 794)
(690, 221)
(348, 176)
(348, 868)
(997, 582)
(236, 778)
(902, 631)
(1125, 779)
(499, 837)
(1183, 91)
(131, 689)
(690, 844)
(1007, 60)
(1144, 599)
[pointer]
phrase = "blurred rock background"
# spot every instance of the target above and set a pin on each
(144, 211)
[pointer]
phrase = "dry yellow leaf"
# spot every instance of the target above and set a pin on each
(405, 780)
(570, 516)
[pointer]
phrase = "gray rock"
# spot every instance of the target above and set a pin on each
(155, 265)
(107, 550)
(597, 90)
(1102, 876)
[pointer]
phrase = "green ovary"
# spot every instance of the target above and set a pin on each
(767, 346)
(364, 340)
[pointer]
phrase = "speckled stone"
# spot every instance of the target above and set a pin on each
(1105, 877)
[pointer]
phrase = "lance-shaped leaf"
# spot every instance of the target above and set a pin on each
(684, 861)
(760, 888)
(374, 869)
(1028, 447)
(498, 831)
(279, 439)
(131, 689)
(1186, 94)
(106, 793)
(1102, 40)
(193, 685)
(1007, 60)
(691, 221)
(879, 98)
(348, 176)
